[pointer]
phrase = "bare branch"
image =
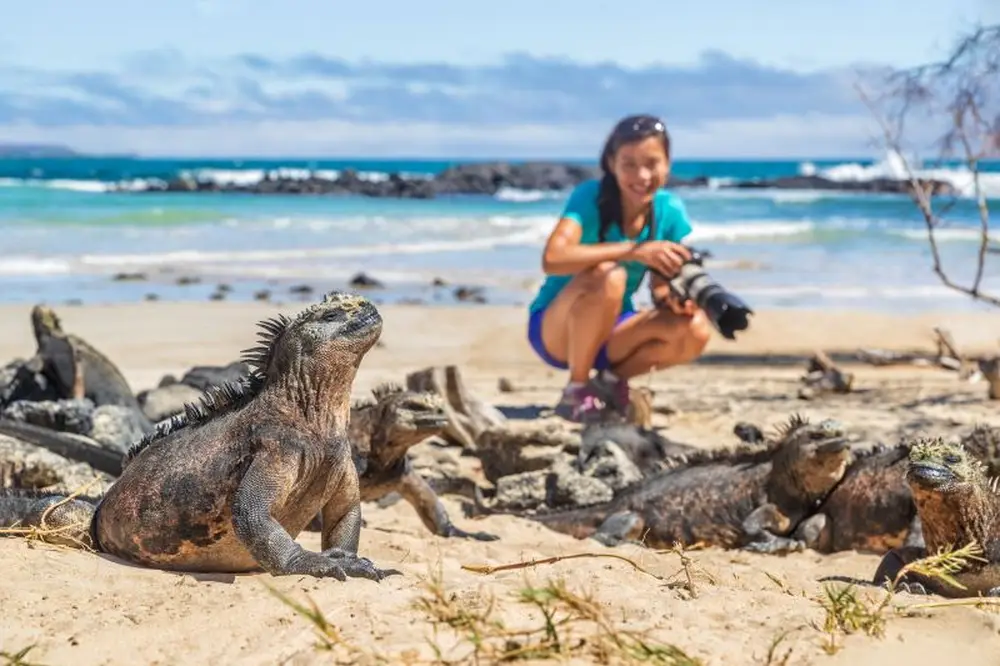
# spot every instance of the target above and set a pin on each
(963, 93)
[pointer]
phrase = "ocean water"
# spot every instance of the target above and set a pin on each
(64, 235)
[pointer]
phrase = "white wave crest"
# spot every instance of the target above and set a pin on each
(34, 266)
(527, 196)
(853, 293)
(95, 186)
(894, 166)
(946, 235)
(749, 231)
(203, 256)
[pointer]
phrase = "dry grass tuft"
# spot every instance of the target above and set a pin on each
(847, 613)
(554, 623)
(64, 536)
(17, 658)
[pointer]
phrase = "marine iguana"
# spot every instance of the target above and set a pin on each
(76, 368)
(957, 504)
(872, 508)
(382, 431)
(227, 485)
(750, 498)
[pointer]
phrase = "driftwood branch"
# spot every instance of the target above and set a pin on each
(468, 415)
(823, 376)
(962, 91)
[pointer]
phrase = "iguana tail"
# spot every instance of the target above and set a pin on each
(580, 522)
(52, 518)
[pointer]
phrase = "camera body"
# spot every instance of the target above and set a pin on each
(727, 312)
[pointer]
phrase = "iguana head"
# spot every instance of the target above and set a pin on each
(44, 321)
(956, 501)
(334, 333)
(940, 466)
(812, 457)
(395, 420)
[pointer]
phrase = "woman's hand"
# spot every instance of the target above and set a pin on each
(664, 297)
(685, 309)
(664, 257)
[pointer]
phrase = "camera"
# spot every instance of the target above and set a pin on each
(727, 312)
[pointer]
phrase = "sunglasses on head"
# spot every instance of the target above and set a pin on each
(639, 125)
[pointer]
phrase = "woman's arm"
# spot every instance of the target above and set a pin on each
(564, 255)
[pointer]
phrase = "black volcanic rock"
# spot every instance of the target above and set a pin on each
(488, 178)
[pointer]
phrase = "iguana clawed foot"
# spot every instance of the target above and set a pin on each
(348, 564)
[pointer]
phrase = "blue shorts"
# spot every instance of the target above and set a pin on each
(601, 361)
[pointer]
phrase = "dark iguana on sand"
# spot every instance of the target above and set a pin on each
(76, 368)
(870, 510)
(958, 504)
(751, 498)
(227, 485)
(382, 431)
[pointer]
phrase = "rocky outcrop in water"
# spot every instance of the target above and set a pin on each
(488, 178)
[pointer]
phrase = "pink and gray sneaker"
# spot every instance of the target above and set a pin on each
(578, 403)
(613, 391)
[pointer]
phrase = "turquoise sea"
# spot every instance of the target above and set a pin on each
(64, 236)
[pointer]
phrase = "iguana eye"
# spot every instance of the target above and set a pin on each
(952, 459)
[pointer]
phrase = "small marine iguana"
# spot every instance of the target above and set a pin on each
(227, 485)
(382, 431)
(957, 504)
(750, 498)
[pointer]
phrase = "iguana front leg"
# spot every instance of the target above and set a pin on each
(761, 531)
(266, 485)
(983, 581)
(618, 528)
(816, 532)
(415, 490)
(341, 534)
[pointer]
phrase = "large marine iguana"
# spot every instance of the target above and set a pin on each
(75, 368)
(382, 431)
(229, 484)
(872, 508)
(750, 498)
(958, 504)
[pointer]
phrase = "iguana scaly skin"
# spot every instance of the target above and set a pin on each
(229, 484)
(958, 504)
(750, 499)
(62, 520)
(382, 431)
(77, 368)
(870, 510)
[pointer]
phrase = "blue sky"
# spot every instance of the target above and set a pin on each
(437, 77)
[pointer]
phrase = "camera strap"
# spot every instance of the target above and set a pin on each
(653, 236)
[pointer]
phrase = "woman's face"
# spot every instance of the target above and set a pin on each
(641, 168)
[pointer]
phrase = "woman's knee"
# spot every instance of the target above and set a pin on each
(606, 277)
(699, 332)
(684, 340)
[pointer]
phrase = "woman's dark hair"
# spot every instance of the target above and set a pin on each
(628, 130)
